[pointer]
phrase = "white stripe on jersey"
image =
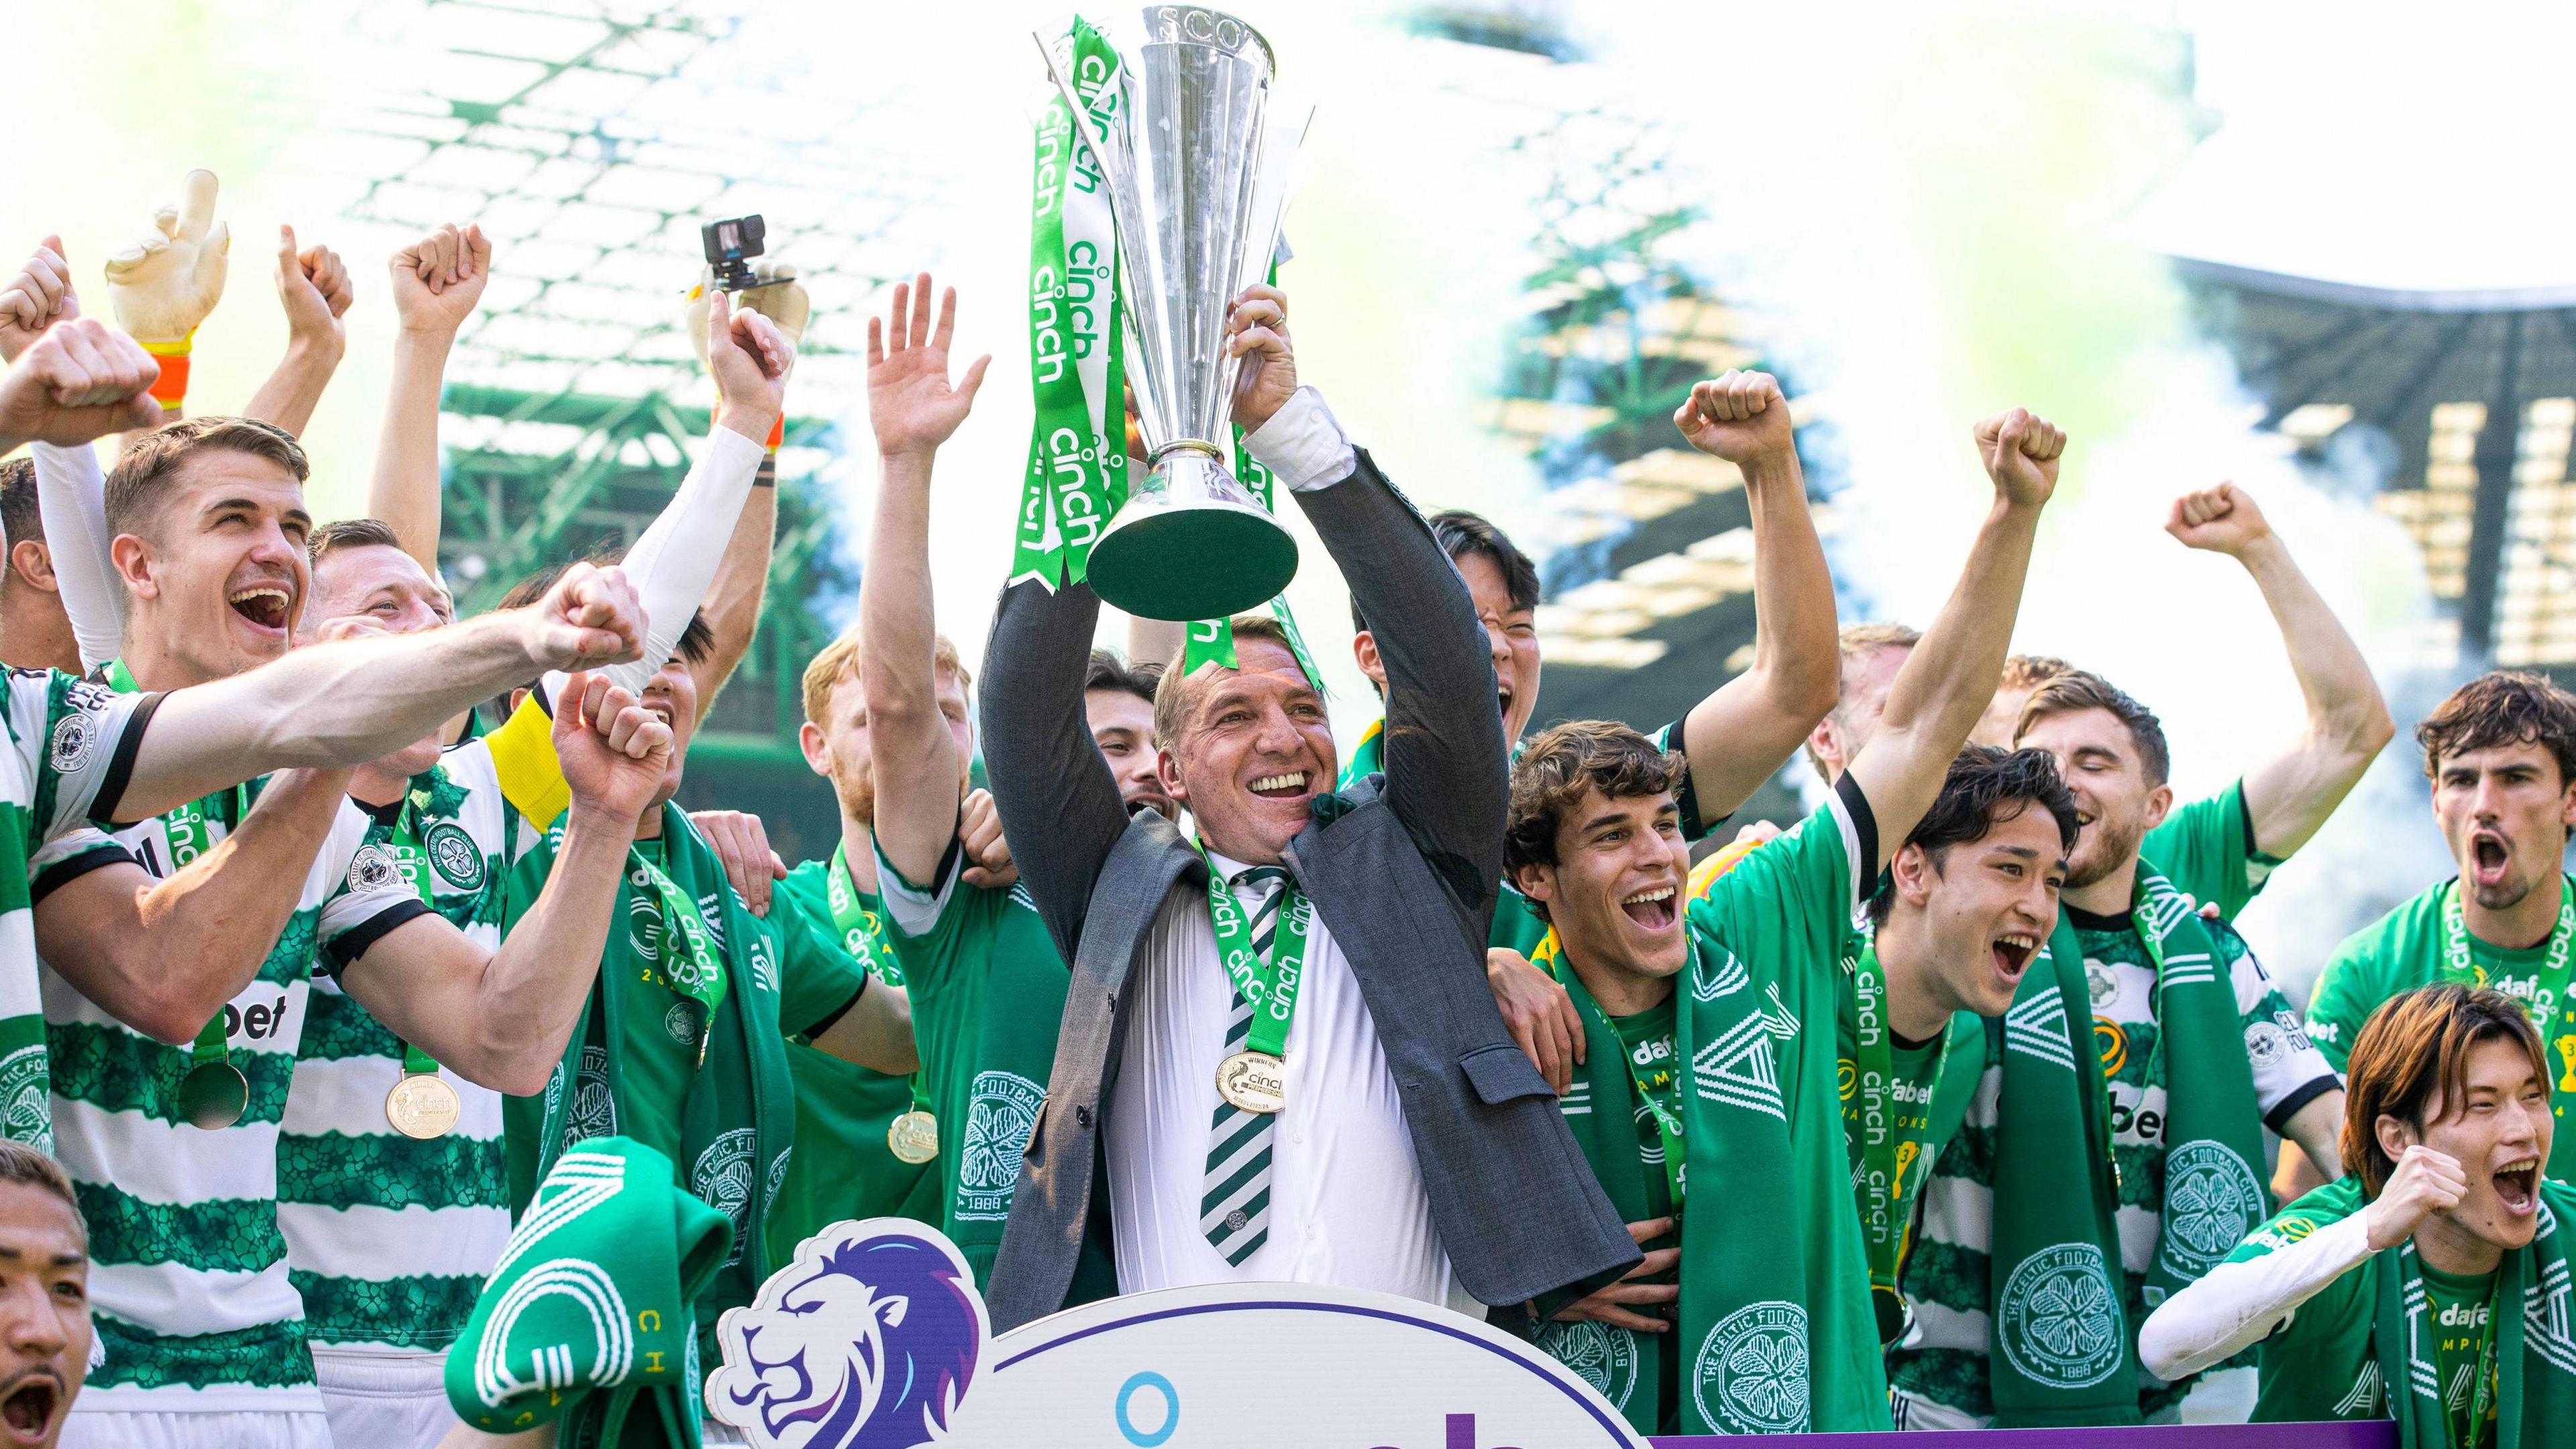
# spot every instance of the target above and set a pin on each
(449, 1242)
(195, 1300)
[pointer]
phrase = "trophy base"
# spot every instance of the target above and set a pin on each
(1210, 560)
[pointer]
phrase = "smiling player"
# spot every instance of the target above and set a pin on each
(2430, 1286)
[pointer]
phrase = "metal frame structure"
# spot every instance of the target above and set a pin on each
(590, 139)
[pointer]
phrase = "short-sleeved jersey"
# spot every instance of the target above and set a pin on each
(387, 1237)
(2212, 858)
(987, 993)
(2404, 950)
(1517, 927)
(72, 749)
(843, 1166)
(193, 1303)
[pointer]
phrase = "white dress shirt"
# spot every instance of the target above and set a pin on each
(1347, 1205)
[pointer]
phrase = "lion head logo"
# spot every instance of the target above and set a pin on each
(868, 1340)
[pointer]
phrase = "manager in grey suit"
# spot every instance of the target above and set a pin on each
(1418, 1151)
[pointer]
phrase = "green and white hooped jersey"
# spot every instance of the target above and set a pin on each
(388, 1239)
(188, 1275)
(72, 747)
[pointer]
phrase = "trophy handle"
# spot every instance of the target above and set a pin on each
(1113, 163)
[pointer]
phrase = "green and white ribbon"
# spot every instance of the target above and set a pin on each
(681, 955)
(1077, 473)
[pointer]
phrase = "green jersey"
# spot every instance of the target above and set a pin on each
(2324, 1363)
(987, 990)
(843, 1167)
(2206, 849)
(2417, 944)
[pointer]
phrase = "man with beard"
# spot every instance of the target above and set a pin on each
(2501, 755)
(1777, 1331)
(2037, 1127)
(2429, 1286)
(45, 1332)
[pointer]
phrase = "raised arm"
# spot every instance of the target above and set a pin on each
(313, 287)
(501, 1018)
(676, 560)
(162, 284)
(2290, 795)
(437, 281)
(1446, 759)
(81, 380)
(348, 702)
(1737, 737)
(71, 491)
(1948, 680)
(914, 409)
(163, 956)
(733, 599)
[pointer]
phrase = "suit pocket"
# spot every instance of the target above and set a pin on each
(1501, 1073)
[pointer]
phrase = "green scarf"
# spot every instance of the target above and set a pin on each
(740, 1117)
(1077, 473)
(2214, 1165)
(2062, 1353)
(1624, 1365)
(591, 1307)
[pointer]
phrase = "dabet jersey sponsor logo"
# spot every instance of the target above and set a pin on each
(2471, 1316)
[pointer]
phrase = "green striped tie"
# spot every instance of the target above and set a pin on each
(1235, 1212)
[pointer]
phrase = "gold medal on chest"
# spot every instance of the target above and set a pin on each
(914, 1137)
(423, 1106)
(1253, 1082)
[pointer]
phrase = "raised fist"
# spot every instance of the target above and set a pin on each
(615, 752)
(911, 404)
(1256, 330)
(775, 294)
(2221, 520)
(589, 618)
(79, 382)
(2020, 450)
(2424, 1183)
(438, 279)
(1738, 416)
(35, 299)
(162, 284)
(313, 287)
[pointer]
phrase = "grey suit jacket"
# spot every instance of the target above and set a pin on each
(1403, 867)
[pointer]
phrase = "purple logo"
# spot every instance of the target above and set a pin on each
(867, 1341)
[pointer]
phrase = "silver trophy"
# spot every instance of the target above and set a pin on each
(1198, 165)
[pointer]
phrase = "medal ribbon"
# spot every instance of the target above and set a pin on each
(1883, 1158)
(404, 840)
(1668, 1122)
(863, 936)
(1271, 986)
(688, 963)
(2550, 988)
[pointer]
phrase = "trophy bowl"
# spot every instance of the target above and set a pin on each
(1198, 169)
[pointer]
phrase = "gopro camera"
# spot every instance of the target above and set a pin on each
(730, 246)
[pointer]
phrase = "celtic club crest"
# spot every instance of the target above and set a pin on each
(2211, 1202)
(2058, 1321)
(722, 1180)
(1605, 1357)
(999, 1117)
(1751, 1377)
(371, 869)
(455, 856)
(593, 1112)
(75, 736)
(26, 1107)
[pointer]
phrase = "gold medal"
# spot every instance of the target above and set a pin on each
(213, 1095)
(914, 1137)
(1253, 1082)
(423, 1106)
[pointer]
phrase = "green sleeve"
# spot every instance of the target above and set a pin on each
(816, 978)
(967, 916)
(1791, 901)
(2347, 992)
(2206, 849)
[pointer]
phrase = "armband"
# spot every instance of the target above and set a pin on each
(170, 389)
